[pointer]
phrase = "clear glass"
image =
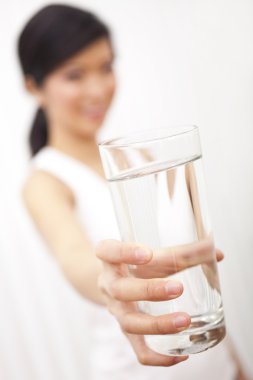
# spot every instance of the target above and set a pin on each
(158, 190)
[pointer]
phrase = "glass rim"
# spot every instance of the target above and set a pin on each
(138, 138)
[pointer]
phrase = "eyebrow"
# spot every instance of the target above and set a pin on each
(77, 62)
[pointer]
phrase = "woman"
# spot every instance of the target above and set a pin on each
(67, 57)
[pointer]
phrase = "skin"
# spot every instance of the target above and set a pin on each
(76, 98)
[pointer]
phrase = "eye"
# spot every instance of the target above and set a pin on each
(74, 75)
(107, 67)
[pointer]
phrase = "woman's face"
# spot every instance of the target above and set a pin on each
(77, 95)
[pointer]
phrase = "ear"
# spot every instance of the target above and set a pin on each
(35, 90)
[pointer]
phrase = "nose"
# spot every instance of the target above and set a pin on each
(94, 88)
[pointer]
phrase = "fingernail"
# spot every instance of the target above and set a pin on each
(173, 287)
(180, 359)
(220, 255)
(142, 255)
(181, 321)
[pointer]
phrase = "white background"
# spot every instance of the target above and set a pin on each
(179, 62)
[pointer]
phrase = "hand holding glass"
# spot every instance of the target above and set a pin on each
(158, 190)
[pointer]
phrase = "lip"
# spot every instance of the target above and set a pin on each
(94, 113)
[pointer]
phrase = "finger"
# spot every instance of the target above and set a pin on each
(116, 252)
(135, 289)
(144, 324)
(171, 260)
(148, 357)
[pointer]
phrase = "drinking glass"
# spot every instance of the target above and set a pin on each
(158, 190)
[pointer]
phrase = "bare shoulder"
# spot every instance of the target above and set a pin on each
(42, 189)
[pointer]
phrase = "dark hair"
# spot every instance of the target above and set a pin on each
(51, 36)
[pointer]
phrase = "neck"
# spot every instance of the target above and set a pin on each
(82, 149)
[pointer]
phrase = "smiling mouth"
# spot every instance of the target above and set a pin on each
(95, 113)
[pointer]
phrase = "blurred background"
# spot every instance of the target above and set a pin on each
(178, 62)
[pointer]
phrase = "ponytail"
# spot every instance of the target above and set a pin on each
(39, 132)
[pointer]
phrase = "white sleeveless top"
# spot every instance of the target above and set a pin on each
(85, 339)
